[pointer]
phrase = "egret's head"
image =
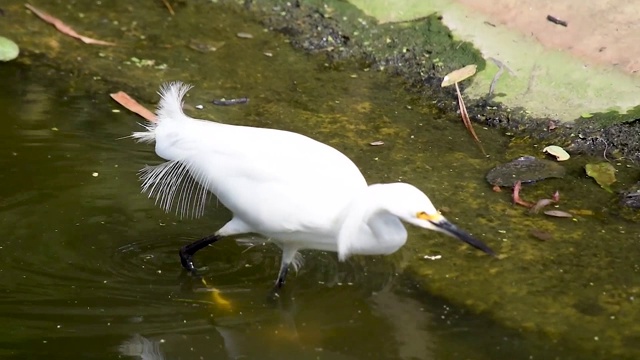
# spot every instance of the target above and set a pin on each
(414, 207)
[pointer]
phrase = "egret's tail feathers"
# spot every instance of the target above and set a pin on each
(174, 186)
(169, 109)
(170, 106)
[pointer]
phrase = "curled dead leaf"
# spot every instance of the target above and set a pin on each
(558, 152)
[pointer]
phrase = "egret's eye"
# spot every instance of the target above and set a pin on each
(435, 217)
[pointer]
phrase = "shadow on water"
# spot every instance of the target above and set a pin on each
(89, 266)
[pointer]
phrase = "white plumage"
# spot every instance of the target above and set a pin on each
(296, 191)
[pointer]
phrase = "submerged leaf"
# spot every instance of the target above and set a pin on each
(8, 49)
(541, 234)
(64, 28)
(540, 204)
(459, 75)
(603, 173)
(558, 213)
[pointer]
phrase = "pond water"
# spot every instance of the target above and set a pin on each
(89, 266)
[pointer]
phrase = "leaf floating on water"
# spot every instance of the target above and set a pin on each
(8, 49)
(459, 75)
(603, 173)
(558, 152)
(130, 104)
(558, 213)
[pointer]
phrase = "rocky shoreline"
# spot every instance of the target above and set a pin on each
(401, 51)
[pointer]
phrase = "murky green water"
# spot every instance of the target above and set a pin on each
(89, 266)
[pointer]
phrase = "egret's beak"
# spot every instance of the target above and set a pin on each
(443, 225)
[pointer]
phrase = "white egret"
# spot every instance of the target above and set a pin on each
(289, 188)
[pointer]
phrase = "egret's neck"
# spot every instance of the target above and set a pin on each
(369, 226)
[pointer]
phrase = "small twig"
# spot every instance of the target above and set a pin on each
(169, 7)
(557, 21)
(495, 80)
(466, 120)
(227, 102)
(606, 146)
(501, 66)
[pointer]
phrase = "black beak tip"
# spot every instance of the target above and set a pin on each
(454, 231)
(480, 246)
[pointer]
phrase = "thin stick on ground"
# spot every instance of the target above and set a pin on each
(169, 7)
(466, 120)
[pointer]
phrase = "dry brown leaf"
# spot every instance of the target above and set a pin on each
(66, 29)
(130, 104)
(458, 75)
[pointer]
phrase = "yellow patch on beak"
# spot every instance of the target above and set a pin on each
(429, 217)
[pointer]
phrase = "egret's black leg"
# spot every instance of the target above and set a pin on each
(187, 251)
(284, 269)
